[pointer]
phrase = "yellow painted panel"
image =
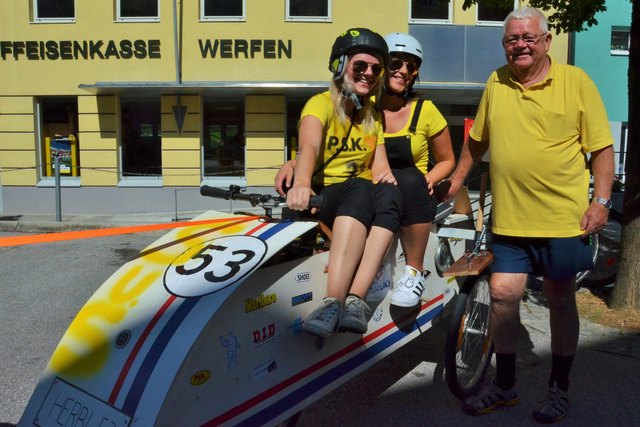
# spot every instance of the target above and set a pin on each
(265, 104)
(98, 159)
(108, 177)
(262, 177)
(17, 141)
(259, 159)
(16, 105)
(97, 141)
(191, 123)
(18, 159)
(181, 177)
(192, 102)
(173, 141)
(19, 177)
(265, 122)
(16, 123)
(265, 143)
(102, 104)
(463, 17)
(181, 159)
(97, 122)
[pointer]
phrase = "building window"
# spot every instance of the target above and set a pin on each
(59, 130)
(54, 10)
(305, 10)
(137, 10)
(222, 10)
(620, 40)
(224, 139)
(491, 14)
(141, 137)
(431, 11)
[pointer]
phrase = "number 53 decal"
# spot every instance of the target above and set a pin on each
(213, 265)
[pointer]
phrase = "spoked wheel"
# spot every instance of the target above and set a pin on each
(469, 348)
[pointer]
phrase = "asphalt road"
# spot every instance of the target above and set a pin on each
(43, 286)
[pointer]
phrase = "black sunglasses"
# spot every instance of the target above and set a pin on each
(360, 67)
(395, 64)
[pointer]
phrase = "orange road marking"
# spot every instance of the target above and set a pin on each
(103, 232)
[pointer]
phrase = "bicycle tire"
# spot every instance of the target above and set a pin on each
(595, 248)
(469, 347)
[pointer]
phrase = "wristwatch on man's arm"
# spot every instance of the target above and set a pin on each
(607, 203)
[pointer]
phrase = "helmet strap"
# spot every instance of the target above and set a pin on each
(357, 100)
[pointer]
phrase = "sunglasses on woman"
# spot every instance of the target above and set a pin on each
(395, 64)
(360, 67)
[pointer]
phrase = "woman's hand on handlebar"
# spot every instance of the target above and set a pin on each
(284, 177)
(298, 198)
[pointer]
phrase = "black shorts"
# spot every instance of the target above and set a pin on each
(358, 198)
(418, 207)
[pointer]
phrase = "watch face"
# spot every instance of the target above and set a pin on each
(607, 203)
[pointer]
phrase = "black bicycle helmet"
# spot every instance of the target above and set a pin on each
(356, 40)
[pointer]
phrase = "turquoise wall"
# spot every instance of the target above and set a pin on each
(609, 72)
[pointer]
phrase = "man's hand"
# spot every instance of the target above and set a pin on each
(594, 219)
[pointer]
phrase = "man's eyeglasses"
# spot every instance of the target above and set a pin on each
(511, 42)
(360, 67)
(396, 64)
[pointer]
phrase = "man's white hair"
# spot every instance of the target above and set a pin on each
(527, 13)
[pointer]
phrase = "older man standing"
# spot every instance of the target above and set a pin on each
(547, 128)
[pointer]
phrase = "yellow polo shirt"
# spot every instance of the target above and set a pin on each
(355, 159)
(538, 140)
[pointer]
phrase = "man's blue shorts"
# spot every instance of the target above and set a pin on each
(554, 258)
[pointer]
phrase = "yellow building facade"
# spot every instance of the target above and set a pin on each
(138, 102)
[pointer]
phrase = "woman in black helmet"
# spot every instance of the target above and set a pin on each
(415, 134)
(341, 154)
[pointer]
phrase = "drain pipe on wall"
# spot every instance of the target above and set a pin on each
(179, 111)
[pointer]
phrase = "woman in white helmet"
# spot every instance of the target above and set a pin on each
(415, 133)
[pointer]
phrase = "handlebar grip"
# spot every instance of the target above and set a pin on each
(218, 193)
(315, 201)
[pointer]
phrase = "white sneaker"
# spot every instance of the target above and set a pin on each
(407, 291)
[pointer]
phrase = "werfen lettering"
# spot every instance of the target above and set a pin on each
(80, 49)
(239, 48)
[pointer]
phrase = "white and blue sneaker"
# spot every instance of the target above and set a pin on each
(407, 291)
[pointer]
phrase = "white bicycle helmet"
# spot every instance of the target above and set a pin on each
(405, 43)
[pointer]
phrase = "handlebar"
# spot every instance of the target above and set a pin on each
(234, 193)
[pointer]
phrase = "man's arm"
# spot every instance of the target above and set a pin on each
(470, 156)
(602, 166)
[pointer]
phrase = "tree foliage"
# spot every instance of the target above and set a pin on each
(565, 16)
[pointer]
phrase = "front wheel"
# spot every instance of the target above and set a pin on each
(469, 348)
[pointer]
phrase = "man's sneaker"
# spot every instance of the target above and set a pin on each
(323, 321)
(408, 289)
(553, 407)
(490, 398)
(355, 316)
